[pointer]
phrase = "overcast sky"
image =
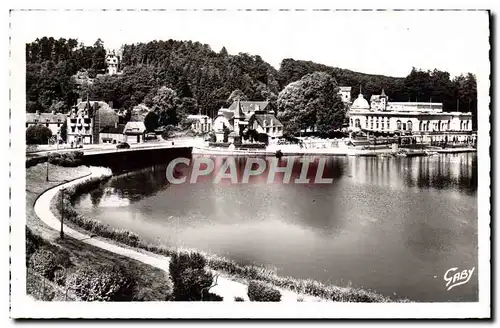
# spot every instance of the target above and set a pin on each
(388, 43)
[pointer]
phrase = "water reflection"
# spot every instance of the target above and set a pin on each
(390, 224)
(454, 172)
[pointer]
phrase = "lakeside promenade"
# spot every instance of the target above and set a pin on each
(201, 148)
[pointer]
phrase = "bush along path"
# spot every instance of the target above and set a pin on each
(223, 286)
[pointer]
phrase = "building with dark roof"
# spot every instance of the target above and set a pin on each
(86, 120)
(52, 120)
(242, 116)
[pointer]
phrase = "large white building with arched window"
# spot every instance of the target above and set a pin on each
(412, 118)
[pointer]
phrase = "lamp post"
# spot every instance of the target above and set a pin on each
(62, 214)
(47, 168)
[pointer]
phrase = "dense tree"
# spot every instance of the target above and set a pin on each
(38, 135)
(205, 79)
(151, 121)
(236, 95)
(50, 65)
(165, 104)
(64, 131)
(312, 102)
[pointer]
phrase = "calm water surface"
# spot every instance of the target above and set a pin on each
(393, 225)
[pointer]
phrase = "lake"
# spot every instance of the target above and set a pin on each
(391, 225)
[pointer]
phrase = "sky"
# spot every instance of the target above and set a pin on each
(377, 42)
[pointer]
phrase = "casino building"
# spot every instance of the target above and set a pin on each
(425, 121)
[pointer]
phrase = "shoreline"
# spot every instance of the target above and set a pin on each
(230, 272)
(329, 152)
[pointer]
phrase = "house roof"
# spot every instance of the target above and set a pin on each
(113, 129)
(197, 117)
(134, 128)
(43, 117)
(267, 120)
(107, 115)
(248, 106)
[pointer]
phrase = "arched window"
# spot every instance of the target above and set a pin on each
(420, 126)
(398, 124)
(357, 124)
(352, 123)
(409, 125)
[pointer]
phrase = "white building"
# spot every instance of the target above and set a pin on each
(80, 125)
(134, 132)
(200, 123)
(112, 63)
(410, 118)
(51, 120)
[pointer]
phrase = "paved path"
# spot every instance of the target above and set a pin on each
(226, 288)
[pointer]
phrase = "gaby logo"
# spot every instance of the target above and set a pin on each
(455, 278)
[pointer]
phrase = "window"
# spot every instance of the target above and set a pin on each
(382, 125)
(357, 123)
(388, 124)
(409, 125)
(398, 124)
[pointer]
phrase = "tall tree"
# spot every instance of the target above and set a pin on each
(312, 102)
(151, 121)
(165, 104)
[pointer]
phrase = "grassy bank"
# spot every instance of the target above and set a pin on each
(215, 262)
(150, 283)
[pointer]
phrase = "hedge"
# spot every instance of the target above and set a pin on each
(261, 292)
(102, 283)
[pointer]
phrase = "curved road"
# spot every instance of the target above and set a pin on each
(226, 288)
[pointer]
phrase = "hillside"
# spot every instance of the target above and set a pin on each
(203, 79)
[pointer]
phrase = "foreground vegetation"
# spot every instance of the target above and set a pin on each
(60, 270)
(198, 260)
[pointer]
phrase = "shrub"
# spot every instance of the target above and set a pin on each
(189, 275)
(160, 290)
(38, 135)
(239, 299)
(60, 276)
(68, 159)
(102, 283)
(46, 261)
(261, 292)
(33, 243)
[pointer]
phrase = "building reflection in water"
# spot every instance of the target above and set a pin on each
(455, 172)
